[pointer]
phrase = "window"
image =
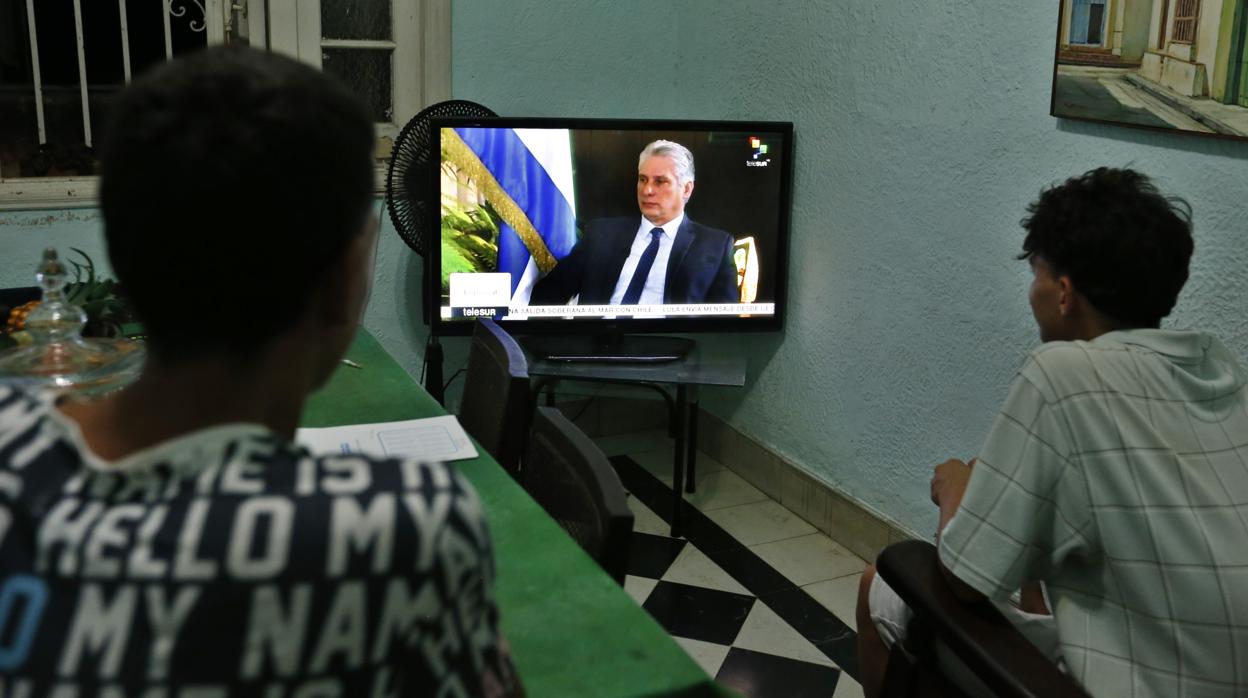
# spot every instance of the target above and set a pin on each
(61, 63)
(1087, 22)
(377, 46)
(1185, 14)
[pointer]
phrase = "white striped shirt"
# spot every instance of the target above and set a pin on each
(1117, 472)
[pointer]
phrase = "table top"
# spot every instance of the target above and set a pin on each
(702, 366)
(573, 631)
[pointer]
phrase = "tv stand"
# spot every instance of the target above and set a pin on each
(686, 375)
(610, 347)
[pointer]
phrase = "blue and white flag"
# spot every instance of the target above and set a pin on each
(530, 185)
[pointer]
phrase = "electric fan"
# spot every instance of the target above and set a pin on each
(408, 188)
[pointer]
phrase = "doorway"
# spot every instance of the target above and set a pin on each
(1087, 23)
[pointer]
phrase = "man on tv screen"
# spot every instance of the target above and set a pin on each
(664, 258)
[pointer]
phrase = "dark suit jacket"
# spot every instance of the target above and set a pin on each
(699, 270)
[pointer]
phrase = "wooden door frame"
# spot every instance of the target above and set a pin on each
(1161, 29)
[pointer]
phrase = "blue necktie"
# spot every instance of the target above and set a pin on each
(633, 294)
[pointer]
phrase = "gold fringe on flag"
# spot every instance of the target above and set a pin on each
(467, 161)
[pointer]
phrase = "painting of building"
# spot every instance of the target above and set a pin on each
(1104, 32)
(1174, 64)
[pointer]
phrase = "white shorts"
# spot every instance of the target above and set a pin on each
(891, 616)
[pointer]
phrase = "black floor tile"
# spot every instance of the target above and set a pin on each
(697, 613)
(647, 488)
(808, 617)
(750, 570)
(758, 675)
(650, 555)
(709, 537)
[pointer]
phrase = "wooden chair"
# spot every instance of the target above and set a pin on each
(572, 480)
(1007, 663)
(496, 404)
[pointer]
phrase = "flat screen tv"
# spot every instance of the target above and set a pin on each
(588, 236)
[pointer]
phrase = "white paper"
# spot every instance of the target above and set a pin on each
(431, 439)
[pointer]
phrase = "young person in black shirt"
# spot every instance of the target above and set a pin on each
(169, 539)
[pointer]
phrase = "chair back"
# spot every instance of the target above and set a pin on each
(572, 480)
(496, 404)
(991, 647)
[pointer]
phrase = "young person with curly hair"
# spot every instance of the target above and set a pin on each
(1116, 472)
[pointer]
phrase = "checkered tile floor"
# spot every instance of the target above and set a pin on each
(758, 597)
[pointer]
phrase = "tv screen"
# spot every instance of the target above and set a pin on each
(588, 225)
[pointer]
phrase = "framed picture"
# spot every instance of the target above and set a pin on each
(1164, 64)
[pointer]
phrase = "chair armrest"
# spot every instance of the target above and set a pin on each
(977, 633)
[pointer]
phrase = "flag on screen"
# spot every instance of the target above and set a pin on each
(528, 180)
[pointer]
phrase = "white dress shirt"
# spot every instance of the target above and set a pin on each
(652, 292)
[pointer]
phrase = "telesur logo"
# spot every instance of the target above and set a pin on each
(760, 149)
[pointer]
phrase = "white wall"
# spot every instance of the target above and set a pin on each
(1208, 34)
(1136, 19)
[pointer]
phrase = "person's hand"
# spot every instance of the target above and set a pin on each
(949, 480)
(948, 486)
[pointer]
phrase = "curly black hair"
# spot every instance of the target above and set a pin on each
(230, 179)
(1124, 245)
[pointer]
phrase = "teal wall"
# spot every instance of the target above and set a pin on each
(24, 234)
(393, 314)
(922, 133)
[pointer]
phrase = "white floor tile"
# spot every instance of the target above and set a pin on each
(658, 462)
(826, 570)
(645, 520)
(809, 559)
(764, 631)
(847, 687)
(840, 596)
(760, 522)
(722, 489)
(708, 655)
(639, 587)
(695, 569)
(634, 442)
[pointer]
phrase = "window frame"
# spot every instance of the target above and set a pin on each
(422, 58)
(1186, 25)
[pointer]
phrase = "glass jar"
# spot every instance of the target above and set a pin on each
(59, 358)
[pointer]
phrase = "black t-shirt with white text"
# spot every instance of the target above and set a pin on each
(228, 562)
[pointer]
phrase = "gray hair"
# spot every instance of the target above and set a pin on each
(679, 154)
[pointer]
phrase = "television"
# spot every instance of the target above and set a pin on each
(560, 230)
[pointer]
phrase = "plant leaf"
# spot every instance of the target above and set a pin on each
(89, 263)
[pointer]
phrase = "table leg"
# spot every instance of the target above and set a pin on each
(679, 415)
(691, 445)
(542, 383)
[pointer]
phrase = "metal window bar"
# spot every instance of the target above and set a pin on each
(1185, 14)
(125, 39)
(38, 78)
(80, 36)
(168, 30)
(82, 73)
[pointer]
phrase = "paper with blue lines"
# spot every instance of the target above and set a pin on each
(432, 439)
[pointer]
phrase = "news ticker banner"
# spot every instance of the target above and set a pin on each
(474, 295)
(523, 312)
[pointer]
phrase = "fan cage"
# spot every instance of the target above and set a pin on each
(407, 179)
